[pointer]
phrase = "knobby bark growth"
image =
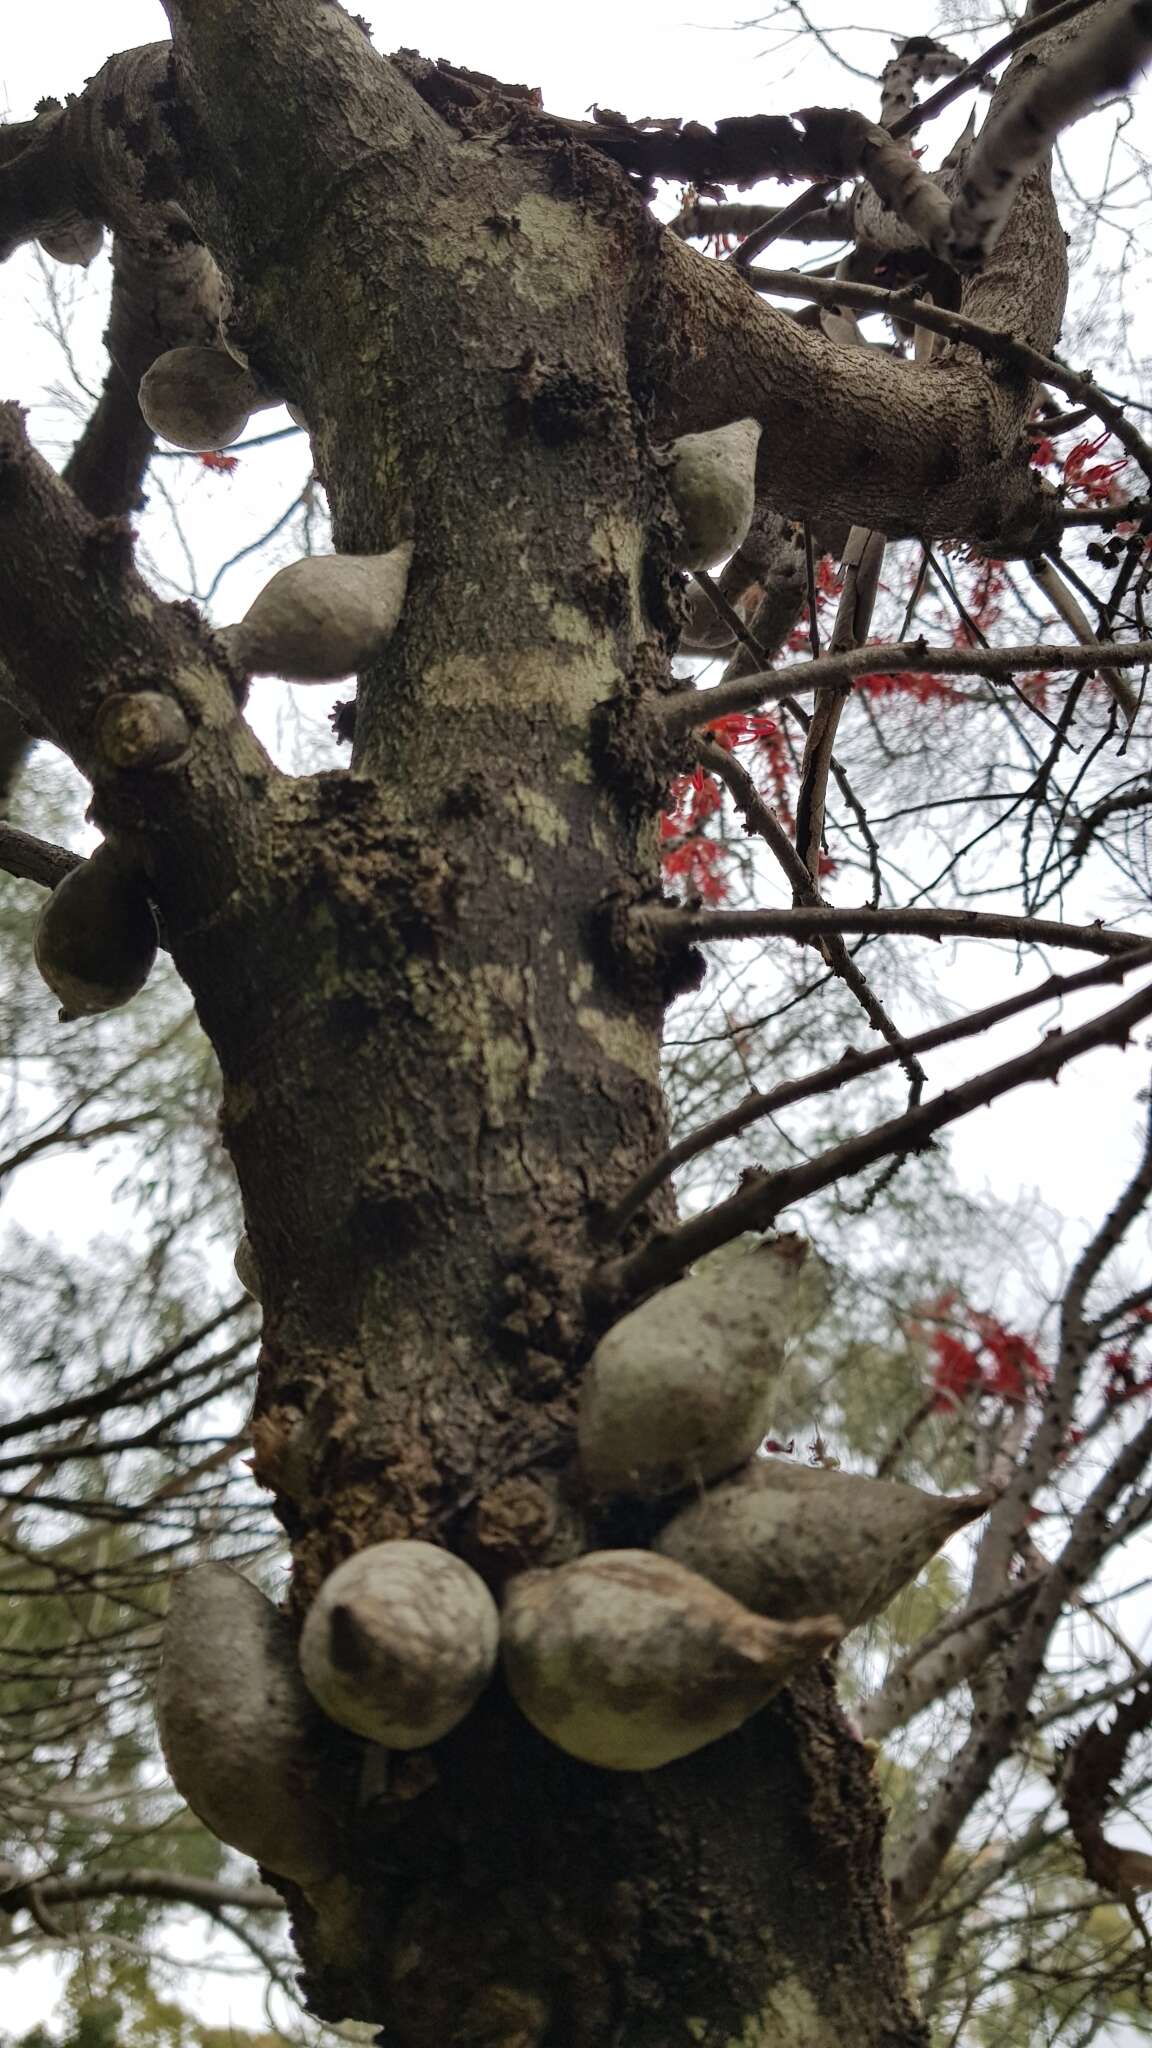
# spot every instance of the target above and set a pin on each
(439, 1052)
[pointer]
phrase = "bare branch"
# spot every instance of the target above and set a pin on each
(35, 860)
(670, 927)
(763, 1196)
(1018, 136)
(850, 1065)
(698, 707)
(138, 1883)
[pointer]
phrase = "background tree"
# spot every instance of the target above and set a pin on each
(434, 985)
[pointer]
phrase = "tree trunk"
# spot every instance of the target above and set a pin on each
(439, 1070)
(436, 1077)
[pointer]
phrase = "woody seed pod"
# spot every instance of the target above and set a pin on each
(680, 1390)
(790, 1540)
(322, 617)
(200, 398)
(627, 1660)
(242, 1738)
(76, 240)
(245, 1268)
(712, 478)
(400, 1642)
(95, 939)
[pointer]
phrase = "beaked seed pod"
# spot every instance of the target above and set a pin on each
(323, 617)
(681, 1389)
(95, 939)
(789, 1540)
(712, 479)
(627, 1660)
(75, 240)
(245, 1268)
(200, 398)
(400, 1642)
(242, 1738)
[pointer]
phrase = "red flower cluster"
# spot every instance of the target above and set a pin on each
(909, 683)
(225, 464)
(688, 856)
(1001, 1364)
(737, 728)
(1095, 482)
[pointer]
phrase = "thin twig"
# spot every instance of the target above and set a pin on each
(763, 1196)
(849, 1067)
(672, 927)
(699, 707)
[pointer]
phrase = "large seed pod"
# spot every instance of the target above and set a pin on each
(789, 1540)
(95, 938)
(243, 1740)
(200, 398)
(681, 1389)
(74, 240)
(245, 1268)
(628, 1661)
(400, 1642)
(323, 617)
(712, 478)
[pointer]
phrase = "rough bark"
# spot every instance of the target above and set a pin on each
(437, 1075)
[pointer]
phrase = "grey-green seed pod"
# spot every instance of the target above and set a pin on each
(245, 1268)
(242, 1738)
(323, 617)
(712, 478)
(400, 1642)
(75, 241)
(681, 1389)
(627, 1660)
(791, 1540)
(95, 939)
(200, 398)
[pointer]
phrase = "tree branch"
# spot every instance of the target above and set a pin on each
(958, 327)
(75, 619)
(699, 707)
(35, 860)
(763, 1196)
(991, 1740)
(674, 928)
(849, 1067)
(139, 1883)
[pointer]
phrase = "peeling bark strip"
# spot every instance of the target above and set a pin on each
(440, 1067)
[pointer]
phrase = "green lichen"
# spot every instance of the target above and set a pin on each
(623, 1040)
(540, 816)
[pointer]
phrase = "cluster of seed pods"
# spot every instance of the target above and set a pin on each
(625, 1659)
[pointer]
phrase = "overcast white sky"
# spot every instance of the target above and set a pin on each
(646, 57)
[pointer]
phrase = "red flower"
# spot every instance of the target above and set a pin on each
(956, 1373)
(1096, 483)
(1016, 1369)
(909, 683)
(737, 728)
(1003, 1364)
(225, 464)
